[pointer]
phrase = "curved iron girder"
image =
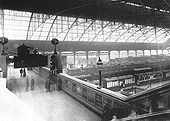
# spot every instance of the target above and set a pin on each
(101, 30)
(151, 35)
(76, 20)
(40, 32)
(29, 26)
(124, 33)
(65, 30)
(158, 36)
(60, 13)
(86, 30)
(112, 32)
(143, 34)
(38, 27)
(70, 28)
(107, 23)
(83, 32)
(92, 23)
(51, 27)
(135, 33)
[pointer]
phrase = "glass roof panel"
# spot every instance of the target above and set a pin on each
(33, 26)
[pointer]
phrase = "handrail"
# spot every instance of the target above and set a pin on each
(148, 115)
(116, 95)
(148, 91)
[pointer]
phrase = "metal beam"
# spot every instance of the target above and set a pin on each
(151, 35)
(112, 32)
(29, 25)
(70, 28)
(86, 30)
(51, 27)
(135, 33)
(143, 34)
(100, 30)
(124, 33)
(158, 36)
(77, 19)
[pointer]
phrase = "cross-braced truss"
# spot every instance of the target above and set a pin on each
(35, 26)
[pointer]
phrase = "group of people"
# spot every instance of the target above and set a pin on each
(22, 72)
(32, 83)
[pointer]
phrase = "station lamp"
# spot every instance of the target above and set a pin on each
(55, 42)
(53, 63)
(3, 41)
(100, 65)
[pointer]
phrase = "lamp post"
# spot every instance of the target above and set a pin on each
(53, 63)
(100, 64)
(55, 41)
(3, 41)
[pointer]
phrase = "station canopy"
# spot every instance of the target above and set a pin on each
(136, 21)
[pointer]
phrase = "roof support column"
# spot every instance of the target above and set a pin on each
(150, 52)
(156, 52)
(143, 52)
(128, 53)
(109, 55)
(98, 54)
(87, 58)
(136, 53)
(4, 66)
(119, 57)
(59, 52)
(29, 25)
(74, 60)
(159, 52)
(2, 21)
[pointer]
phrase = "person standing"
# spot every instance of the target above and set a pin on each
(27, 84)
(21, 72)
(24, 73)
(32, 83)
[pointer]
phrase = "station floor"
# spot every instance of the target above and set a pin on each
(51, 106)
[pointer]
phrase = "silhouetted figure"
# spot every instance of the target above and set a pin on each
(27, 84)
(123, 85)
(24, 73)
(21, 72)
(36, 51)
(32, 83)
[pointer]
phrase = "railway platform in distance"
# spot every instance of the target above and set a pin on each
(50, 106)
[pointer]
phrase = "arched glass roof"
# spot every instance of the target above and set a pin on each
(17, 25)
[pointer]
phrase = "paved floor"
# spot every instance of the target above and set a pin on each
(51, 106)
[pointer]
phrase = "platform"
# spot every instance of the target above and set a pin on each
(51, 106)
